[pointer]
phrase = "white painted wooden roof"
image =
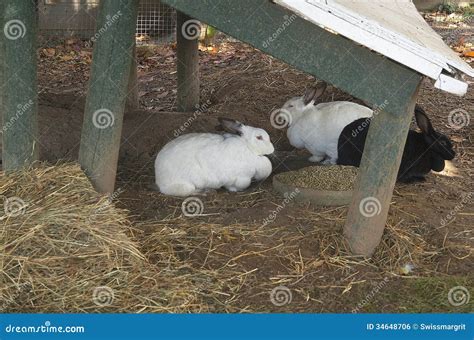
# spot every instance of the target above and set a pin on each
(393, 28)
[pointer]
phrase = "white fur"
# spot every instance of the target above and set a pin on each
(196, 162)
(317, 127)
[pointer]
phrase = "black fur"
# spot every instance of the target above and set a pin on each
(423, 151)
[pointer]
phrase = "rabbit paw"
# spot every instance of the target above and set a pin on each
(329, 161)
(316, 158)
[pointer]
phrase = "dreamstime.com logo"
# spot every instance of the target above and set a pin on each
(103, 118)
(14, 29)
(200, 109)
(369, 297)
(103, 296)
(370, 206)
(14, 206)
(288, 20)
(21, 109)
(273, 214)
(191, 29)
(458, 119)
(281, 296)
(192, 206)
(458, 296)
(110, 21)
(280, 118)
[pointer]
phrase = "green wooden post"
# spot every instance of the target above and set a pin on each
(377, 176)
(19, 84)
(187, 39)
(133, 100)
(105, 104)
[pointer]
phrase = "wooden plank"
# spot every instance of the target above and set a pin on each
(333, 58)
(112, 59)
(377, 175)
(403, 36)
(133, 99)
(20, 98)
(187, 34)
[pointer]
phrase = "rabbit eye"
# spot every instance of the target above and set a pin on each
(259, 137)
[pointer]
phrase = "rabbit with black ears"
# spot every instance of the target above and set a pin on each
(197, 162)
(423, 151)
(316, 127)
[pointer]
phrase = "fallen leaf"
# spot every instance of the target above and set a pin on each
(67, 57)
(49, 52)
(457, 139)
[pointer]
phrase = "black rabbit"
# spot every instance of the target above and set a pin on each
(423, 151)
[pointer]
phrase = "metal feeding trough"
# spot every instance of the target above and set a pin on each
(320, 185)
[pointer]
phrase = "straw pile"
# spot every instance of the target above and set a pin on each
(64, 248)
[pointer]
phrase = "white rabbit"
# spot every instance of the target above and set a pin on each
(196, 162)
(317, 127)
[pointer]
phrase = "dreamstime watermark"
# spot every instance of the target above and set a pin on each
(191, 29)
(274, 213)
(14, 206)
(103, 296)
(288, 20)
(370, 206)
(110, 21)
(192, 206)
(458, 119)
(200, 110)
(366, 122)
(281, 296)
(458, 296)
(467, 199)
(46, 328)
(14, 29)
(21, 109)
(280, 118)
(371, 295)
(109, 201)
(103, 118)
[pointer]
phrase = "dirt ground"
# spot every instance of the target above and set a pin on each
(420, 258)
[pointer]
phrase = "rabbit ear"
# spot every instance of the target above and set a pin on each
(314, 93)
(423, 121)
(231, 125)
(437, 163)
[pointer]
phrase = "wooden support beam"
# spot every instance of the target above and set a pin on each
(133, 99)
(187, 38)
(377, 176)
(19, 84)
(105, 104)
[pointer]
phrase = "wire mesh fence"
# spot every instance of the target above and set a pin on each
(156, 22)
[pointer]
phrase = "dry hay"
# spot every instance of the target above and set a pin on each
(69, 240)
(247, 261)
(64, 248)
